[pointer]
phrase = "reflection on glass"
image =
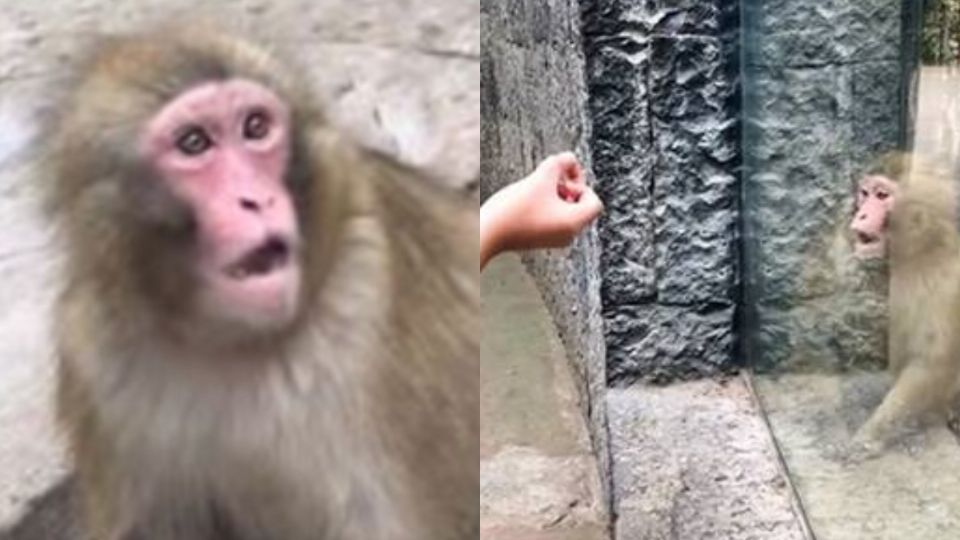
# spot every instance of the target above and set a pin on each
(852, 256)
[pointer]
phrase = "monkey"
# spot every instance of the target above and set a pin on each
(906, 211)
(265, 330)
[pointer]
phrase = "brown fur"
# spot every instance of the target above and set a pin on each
(360, 422)
(924, 302)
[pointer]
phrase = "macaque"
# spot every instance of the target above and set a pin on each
(909, 216)
(266, 331)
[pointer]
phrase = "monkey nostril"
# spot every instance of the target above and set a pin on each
(248, 204)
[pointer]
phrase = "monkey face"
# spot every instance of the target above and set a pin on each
(875, 200)
(222, 150)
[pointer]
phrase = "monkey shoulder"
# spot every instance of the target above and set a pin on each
(433, 248)
(420, 205)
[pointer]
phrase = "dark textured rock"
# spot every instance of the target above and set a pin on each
(624, 167)
(659, 344)
(697, 139)
(664, 100)
(877, 97)
(832, 333)
(606, 18)
(533, 103)
(807, 34)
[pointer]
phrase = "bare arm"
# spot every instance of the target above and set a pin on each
(544, 210)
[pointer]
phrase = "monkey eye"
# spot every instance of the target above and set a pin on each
(882, 195)
(194, 142)
(256, 126)
(864, 193)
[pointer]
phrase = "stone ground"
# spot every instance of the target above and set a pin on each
(538, 477)
(696, 461)
(910, 491)
(412, 89)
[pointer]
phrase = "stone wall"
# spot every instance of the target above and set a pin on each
(664, 100)
(533, 104)
(826, 90)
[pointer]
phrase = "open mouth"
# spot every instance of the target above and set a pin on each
(867, 239)
(272, 255)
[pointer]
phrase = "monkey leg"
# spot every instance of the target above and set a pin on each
(920, 394)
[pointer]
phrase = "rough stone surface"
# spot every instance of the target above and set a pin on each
(907, 492)
(31, 458)
(695, 460)
(522, 488)
(412, 89)
(826, 91)
(810, 34)
(664, 99)
(533, 104)
(645, 335)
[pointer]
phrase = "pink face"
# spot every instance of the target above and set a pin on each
(222, 148)
(875, 198)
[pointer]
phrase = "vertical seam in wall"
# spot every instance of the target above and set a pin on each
(652, 181)
(596, 404)
(744, 306)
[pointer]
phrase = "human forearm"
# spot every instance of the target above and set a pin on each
(544, 210)
(489, 232)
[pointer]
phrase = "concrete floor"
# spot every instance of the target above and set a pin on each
(911, 491)
(538, 477)
(695, 461)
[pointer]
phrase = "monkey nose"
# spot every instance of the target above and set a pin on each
(254, 205)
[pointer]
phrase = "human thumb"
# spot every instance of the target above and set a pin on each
(588, 207)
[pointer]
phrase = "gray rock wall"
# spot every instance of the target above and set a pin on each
(533, 104)
(664, 101)
(826, 90)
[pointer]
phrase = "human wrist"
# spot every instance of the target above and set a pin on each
(491, 228)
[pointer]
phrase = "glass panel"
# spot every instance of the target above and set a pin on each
(852, 256)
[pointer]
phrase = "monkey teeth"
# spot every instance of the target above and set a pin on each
(271, 255)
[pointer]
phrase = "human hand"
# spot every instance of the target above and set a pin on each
(547, 209)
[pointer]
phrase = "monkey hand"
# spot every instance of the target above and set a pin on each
(544, 210)
(854, 451)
